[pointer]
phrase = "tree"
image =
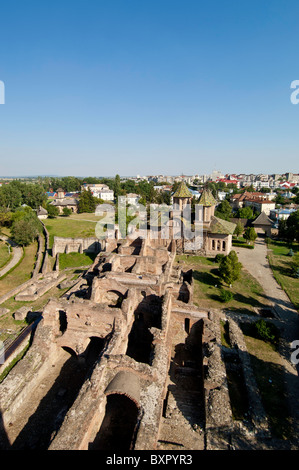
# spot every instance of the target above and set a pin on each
(53, 211)
(224, 210)
(33, 195)
(87, 203)
(295, 265)
(10, 197)
(239, 229)
(117, 188)
(250, 235)
(292, 225)
(23, 232)
(245, 213)
(25, 226)
(66, 211)
(6, 219)
(230, 268)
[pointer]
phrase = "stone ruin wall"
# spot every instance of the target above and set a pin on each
(78, 245)
(133, 273)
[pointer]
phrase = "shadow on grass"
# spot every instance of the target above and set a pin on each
(210, 278)
(270, 378)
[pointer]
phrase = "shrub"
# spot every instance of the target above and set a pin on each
(266, 331)
(226, 295)
(230, 268)
(219, 257)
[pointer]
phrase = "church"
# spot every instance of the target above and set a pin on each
(216, 235)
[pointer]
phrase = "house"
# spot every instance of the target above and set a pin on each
(281, 214)
(132, 198)
(261, 205)
(101, 191)
(263, 223)
(42, 213)
(61, 202)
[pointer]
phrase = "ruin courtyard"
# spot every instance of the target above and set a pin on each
(124, 360)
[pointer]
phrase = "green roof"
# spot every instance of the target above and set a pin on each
(207, 198)
(182, 191)
(221, 226)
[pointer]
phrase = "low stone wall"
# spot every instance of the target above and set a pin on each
(219, 422)
(36, 288)
(77, 245)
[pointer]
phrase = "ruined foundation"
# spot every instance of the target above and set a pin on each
(124, 361)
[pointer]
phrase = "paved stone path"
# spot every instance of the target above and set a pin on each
(17, 255)
(256, 263)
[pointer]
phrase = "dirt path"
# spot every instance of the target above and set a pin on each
(17, 255)
(256, 263)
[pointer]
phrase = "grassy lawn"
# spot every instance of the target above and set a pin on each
(5, 255)
(267, 366)
(241, 242)
(72, 260)
(281, 266)
(248, 293)
(22, 272)
(71, 227)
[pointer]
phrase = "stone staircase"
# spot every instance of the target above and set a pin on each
(188, 403)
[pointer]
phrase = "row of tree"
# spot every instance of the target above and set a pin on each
(289, 229)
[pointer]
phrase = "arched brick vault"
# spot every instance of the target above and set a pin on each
(125, 383)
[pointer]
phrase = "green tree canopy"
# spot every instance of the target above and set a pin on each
(245, 213)
(87, 202)
(250, 234)
(230, 268)
(224, 210)
(239, 228)
(25, 226)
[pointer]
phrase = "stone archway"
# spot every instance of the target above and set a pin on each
(122, 414)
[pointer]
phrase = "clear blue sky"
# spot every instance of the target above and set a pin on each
(99, 87)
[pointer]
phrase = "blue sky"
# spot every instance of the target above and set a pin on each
(100, 87)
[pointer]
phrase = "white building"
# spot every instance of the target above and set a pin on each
(132, 198)
(101, 191)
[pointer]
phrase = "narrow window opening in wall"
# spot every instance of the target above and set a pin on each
(165, 404)
(187, 325)
(213, 245)
(223, 246)
(62, 321)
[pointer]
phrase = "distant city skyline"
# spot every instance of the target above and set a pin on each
(151, 87)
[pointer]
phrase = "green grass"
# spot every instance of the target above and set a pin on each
(280, 263)
(247, 292)
(225, 339)
(241, 242)
(281, 248)
(72, 260)
(190, 259)
(5, 255)
(70, 227)
(22, 272)
(7, 322)
(269, 374)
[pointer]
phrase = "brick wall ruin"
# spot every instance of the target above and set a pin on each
(125, 345)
